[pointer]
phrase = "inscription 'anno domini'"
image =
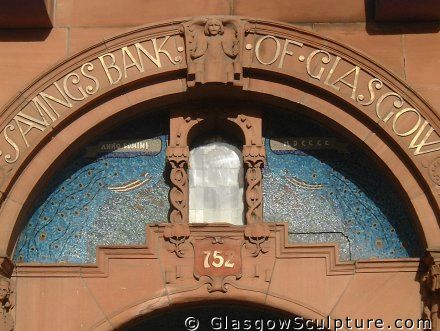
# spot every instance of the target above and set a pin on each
(49, 106)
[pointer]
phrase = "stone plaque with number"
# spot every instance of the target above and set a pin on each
(217, 258)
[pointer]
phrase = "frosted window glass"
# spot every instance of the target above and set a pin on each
(216, 184)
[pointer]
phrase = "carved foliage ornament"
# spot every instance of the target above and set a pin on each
(257, 235)
(213, 47)
(177, 234)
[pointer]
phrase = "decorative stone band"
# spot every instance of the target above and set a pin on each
(430, 290)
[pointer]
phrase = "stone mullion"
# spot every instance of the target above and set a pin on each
(178, 158)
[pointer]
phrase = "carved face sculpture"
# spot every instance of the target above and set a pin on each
(213, 27)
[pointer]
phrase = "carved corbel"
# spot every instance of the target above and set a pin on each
(6, 266)
(6, 304)
(177, 234)
(431, 288)
(257, 235)
(213, 50)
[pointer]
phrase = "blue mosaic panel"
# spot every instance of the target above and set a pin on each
(106, 196)
(327, 189)
(330, 191)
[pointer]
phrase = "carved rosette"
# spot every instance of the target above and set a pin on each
(254, 157)
(431, 288)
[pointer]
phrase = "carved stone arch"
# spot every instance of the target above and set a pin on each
(280, 64)
(145, 309)
(161, 75)
(183, 124)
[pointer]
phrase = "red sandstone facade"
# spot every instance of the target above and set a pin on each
(280, 51)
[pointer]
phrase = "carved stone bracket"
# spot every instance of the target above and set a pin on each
(213, 50)
(6, 304)
(257, 235)
(430, 290)
(6, 266)
(177, 234)
(254, 158)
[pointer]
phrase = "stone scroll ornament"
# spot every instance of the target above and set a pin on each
(213, 50)
(6, 304)
(178, 231)
(431, 289)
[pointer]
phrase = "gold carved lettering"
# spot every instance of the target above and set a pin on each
(134, 63)
(46, 97)
(111, 65)
(286, 51)
(332, 70)
(157, 51)
(424, 142)
(75, 81)
(325, 60)
(360, 98)
(353, 86)
(33, 122)
(413, 129)
(89, 88)
(277, 50)
(397, 104)
(8, 157)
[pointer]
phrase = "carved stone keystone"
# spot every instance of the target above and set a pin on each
(213, 50)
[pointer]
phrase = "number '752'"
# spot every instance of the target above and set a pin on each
(218, 260)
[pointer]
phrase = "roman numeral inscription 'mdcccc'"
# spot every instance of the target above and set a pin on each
(133, 61)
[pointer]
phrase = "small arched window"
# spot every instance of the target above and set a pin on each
(216, 180)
